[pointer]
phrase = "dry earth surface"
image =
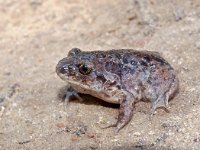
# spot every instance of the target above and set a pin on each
(36, 34)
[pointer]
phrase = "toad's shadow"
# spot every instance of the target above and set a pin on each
(87, 99)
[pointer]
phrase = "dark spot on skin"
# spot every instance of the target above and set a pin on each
(162, 61)
(118, 86)
(78, 65)
(110, 56)
(147, 58)
(126, 58)
(114, 67)
(114, 55)
(127, 70)
(100, 55)
(109, 66)
(149, 81)
(120, 65)
(101, 77)
(143, 63)
(118, 56)
(133, 62)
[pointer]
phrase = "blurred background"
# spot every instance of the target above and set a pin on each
(36, 34)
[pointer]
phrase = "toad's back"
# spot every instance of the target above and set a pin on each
(142, 72)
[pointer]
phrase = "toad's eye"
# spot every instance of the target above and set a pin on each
(84, 69)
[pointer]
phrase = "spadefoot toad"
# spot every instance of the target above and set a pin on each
(122, 76)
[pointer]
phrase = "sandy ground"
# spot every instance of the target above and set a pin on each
(36, 34)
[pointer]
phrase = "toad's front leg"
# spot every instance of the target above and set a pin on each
(125, 112)
(71, 93)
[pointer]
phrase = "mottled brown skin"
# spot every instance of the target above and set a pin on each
(119, 76)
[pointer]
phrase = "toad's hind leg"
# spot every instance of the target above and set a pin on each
(160, 102)
(125, 113)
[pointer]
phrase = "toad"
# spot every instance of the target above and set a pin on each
(123, 77)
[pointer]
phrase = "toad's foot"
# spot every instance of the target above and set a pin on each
(71, 93)
(125, 114)
(161, 102)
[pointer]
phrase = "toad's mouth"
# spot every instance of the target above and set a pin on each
(76, 83)
(82, 88)
(64, 77)
(72, 80)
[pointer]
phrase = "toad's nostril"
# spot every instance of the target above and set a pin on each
(71, 68)
(63, 69)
